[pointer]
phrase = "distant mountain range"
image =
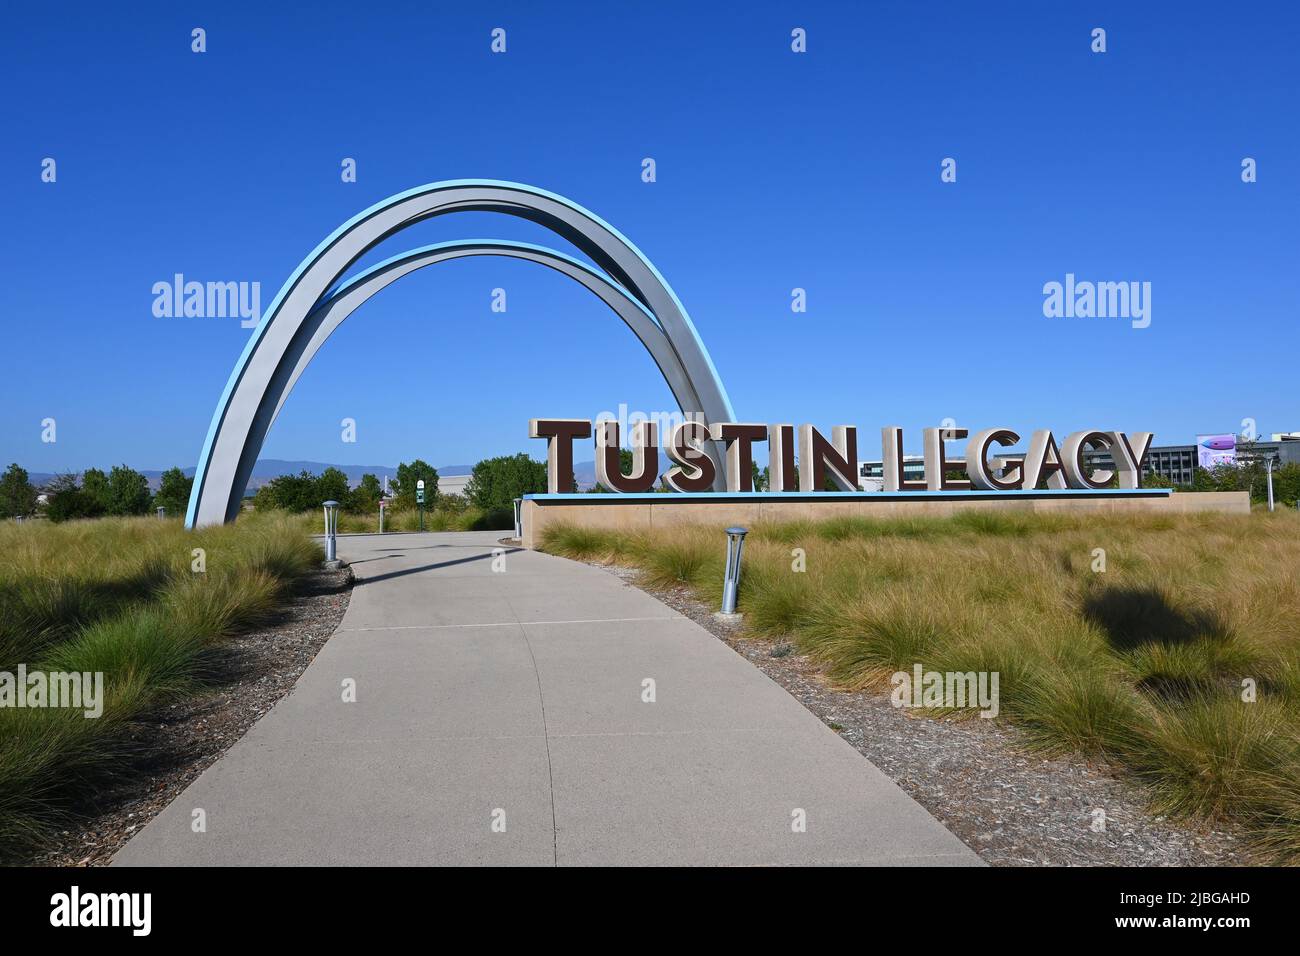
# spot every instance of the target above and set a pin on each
(584, 473)
(268, 468)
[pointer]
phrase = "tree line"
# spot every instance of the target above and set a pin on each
(121, 492)
(494, 484)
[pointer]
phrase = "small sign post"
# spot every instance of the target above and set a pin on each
(419, 500)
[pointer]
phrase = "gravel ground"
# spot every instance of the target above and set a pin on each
(183, 740)
(1011, 806)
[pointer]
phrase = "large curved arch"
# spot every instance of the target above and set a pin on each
(288, 335)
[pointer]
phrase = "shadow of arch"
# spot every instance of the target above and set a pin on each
(286, 338)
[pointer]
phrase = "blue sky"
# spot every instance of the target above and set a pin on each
(775, 170)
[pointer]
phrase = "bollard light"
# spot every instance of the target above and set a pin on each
(519, 526)
(731, 576)
(331, 530)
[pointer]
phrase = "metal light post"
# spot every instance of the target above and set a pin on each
(331, 530)
(1268, 472)
(731, 576)
(519, 527)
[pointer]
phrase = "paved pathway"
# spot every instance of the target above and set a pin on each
(515, 696)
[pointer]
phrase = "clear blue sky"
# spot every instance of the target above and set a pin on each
(775, 170)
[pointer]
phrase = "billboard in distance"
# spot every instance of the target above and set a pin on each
(1214, 450)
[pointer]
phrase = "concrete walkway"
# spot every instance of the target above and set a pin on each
(514, 697)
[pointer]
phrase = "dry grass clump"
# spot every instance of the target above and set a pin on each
(120, 597)
(397, 518)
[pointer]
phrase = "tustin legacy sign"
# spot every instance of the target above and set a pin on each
(693, 469)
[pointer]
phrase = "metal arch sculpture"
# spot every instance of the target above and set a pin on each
(303, 315)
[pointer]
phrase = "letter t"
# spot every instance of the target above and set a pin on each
(559, 434)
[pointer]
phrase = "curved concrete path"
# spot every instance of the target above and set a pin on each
(506, 691)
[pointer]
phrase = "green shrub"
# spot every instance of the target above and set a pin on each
(17, 496)
(128, 492)
(496, 482)
(68, 501)
(174, 492)
(407, 482)
(364, 498)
